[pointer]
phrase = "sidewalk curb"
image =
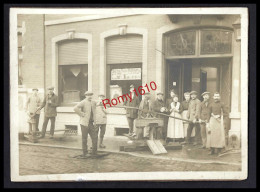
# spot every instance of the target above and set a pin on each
(139, 155)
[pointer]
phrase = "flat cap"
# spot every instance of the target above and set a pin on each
(160, 93)
(35, 89)
(147, 94)
(206, 92)
(193, 93)
(101, 95)
(132, 86)
(51, 88)
(89, 93)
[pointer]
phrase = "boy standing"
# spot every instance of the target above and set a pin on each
(101, 119)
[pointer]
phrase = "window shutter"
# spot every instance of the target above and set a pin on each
(72, 52)
(124, 49)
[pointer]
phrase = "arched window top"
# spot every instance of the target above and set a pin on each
(198, 42)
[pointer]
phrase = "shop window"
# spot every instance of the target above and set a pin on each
(73, 83)
(215, 42)
(181, 43)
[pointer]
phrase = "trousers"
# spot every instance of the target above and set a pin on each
(37, 117)
(197, 132)
(102, 128)
(45, 123)
(93, 132)
(131, 124)
(203, 132)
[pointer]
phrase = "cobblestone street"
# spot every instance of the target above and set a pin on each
(36, 160)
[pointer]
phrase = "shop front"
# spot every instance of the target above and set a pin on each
(199, 59)
(123, 68)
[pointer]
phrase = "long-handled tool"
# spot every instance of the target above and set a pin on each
(152, 112)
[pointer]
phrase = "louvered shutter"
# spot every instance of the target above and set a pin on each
(124, 49)
(73, 52)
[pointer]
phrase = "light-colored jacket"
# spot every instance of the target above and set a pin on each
(33, 102)
(101, 117)
(193, 110)
(83, 109)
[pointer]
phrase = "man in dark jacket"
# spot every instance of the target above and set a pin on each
(204, 115)
(50, 103)
(132, 114)
(159, 106)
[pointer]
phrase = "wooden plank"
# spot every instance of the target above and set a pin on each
(153, 147)
(160, 146)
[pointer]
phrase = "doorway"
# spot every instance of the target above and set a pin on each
(179, 77)
(199, 74)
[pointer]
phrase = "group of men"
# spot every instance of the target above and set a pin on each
(206, 117)
(209, 118)
(92, 117)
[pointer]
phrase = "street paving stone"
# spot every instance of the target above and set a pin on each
(38, 160)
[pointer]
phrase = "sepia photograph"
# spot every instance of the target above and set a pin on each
(117, 94)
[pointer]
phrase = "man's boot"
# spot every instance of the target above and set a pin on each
(101, 143)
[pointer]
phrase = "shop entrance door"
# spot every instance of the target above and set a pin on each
(203, 81)
(199, 74)
(178, 77)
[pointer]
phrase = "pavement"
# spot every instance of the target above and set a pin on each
(42, 160)
(188, 153)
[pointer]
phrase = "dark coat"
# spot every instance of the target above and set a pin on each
(204, 111)
(132, 113)
(156, 107)
(50, 108)
(145, 107)
(168, 103)
(185, 105)
(215, 108)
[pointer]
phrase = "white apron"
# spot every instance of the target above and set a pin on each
(175, 126)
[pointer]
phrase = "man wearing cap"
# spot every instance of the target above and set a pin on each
(217, 129)
(192, 115)
(159, 107)
(145, 107)
(50, 103)
(86, 109)
(185, 107)
(131, 114)
(204, 115)
(101, 119)
(32, 104)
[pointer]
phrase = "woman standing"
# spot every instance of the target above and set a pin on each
(175, 126)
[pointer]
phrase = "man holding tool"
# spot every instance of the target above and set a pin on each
(192, 115)
(32, 105)
(204, 115)
(50, 103)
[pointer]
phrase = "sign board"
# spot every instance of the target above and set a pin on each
(126, 74)
(196, 80)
